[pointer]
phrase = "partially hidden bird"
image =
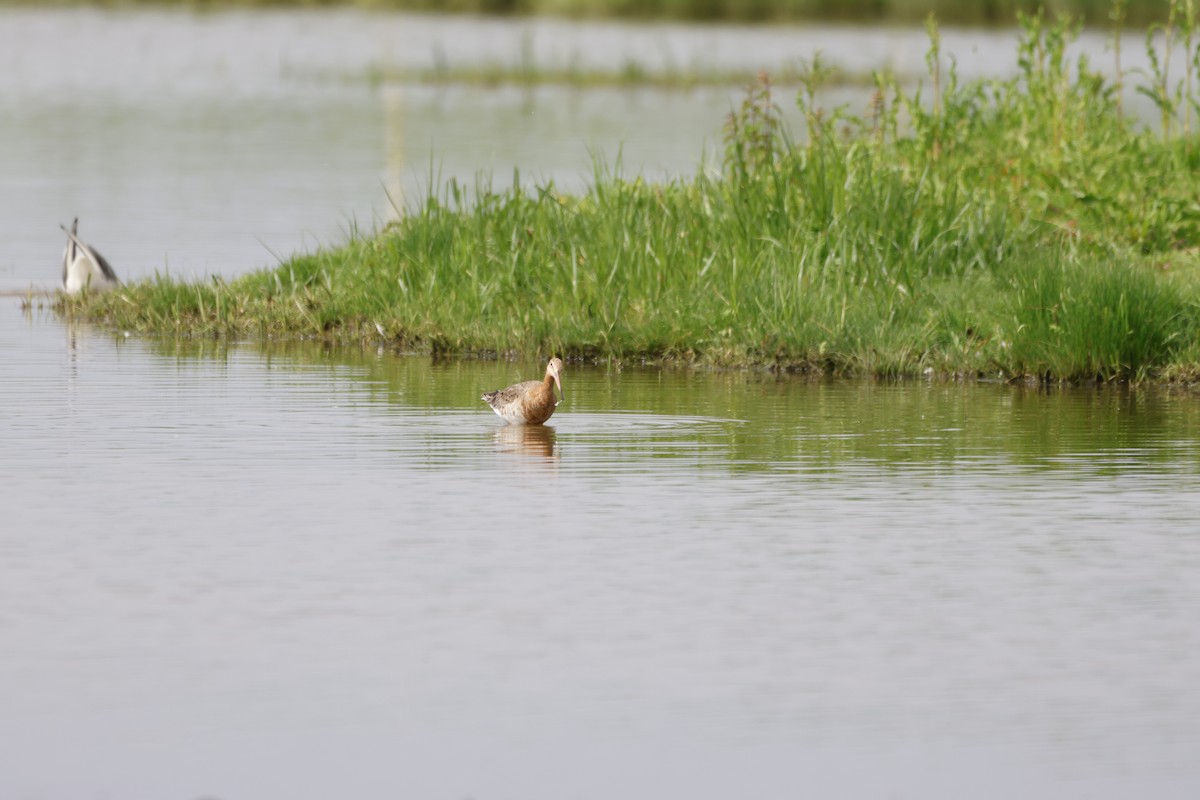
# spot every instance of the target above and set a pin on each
(530, 402)
(84, 267)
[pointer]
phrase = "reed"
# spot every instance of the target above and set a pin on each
(1019, 229)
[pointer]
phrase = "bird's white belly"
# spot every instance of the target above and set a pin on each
(77, 275)
(81, 274)
(510, 413)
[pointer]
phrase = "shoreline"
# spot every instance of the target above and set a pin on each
(1023, 229)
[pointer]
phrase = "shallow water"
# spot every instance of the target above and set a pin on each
(298, 573)
(304, 573)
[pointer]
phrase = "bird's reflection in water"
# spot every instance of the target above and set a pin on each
(527, 440)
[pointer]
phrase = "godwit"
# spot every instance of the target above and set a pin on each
(531, 402)
(83, 267)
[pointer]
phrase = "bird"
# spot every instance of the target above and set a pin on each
(530, 402)
(83, 267)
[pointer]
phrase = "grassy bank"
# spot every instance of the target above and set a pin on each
(1021, 229)
(963, 12)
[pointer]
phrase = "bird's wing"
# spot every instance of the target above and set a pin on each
(504, 397)
(105, 267)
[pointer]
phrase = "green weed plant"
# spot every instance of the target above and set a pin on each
(1021, 229)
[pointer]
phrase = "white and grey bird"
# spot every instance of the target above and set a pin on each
(83, 267)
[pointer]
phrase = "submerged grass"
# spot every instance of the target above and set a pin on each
(630, 74)
(1020, 229)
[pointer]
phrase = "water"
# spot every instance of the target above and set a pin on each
(301, 573)
(294, 572)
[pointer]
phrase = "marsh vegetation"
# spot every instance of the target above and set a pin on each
(1024, 228)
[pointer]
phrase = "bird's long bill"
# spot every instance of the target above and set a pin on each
(558, 383)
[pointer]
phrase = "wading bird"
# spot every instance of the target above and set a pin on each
(531, 402)
(83, 267)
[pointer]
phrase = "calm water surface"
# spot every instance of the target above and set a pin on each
(296, 573)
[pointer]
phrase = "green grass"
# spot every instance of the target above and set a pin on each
(1021, 229)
